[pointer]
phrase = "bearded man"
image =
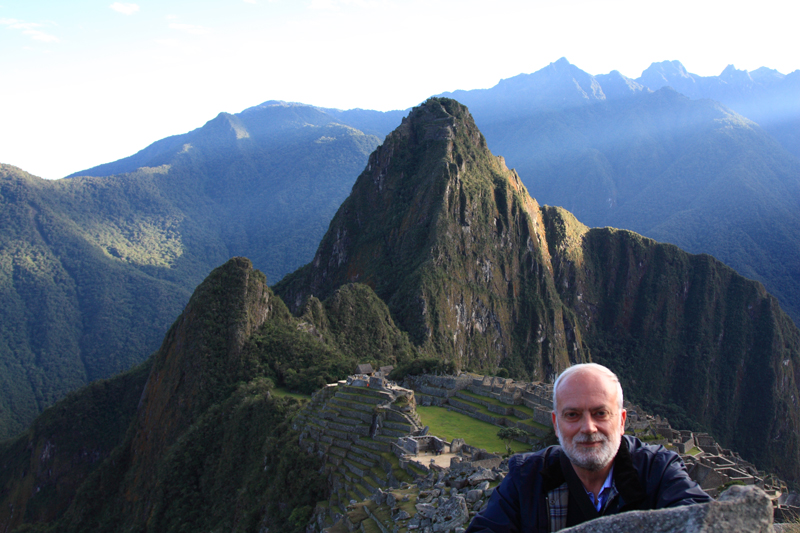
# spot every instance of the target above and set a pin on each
(596, 470)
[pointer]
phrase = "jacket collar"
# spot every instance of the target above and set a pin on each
(626, 478)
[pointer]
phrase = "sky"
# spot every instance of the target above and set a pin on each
(85, 82)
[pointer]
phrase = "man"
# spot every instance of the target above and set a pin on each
(596, 471)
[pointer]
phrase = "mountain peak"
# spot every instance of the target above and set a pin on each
(731, 74)
(666, 71)
(438, 227)
(561, 63)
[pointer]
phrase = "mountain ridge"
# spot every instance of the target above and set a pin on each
(102, 264)
(604, 159)
(490, 279)
(497, 281)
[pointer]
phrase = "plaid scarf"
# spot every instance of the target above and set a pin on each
(557, 500)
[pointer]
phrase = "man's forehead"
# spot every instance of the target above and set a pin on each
(569, 406)
(597, 389)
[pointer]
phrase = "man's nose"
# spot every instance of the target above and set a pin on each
(588, 425)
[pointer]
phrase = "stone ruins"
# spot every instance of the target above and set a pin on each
(388, 474)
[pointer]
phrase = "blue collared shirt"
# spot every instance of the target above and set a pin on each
(605, 492)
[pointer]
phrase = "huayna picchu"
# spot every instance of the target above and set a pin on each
(438, 259)
(479, 274)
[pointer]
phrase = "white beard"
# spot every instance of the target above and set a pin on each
(590, 459)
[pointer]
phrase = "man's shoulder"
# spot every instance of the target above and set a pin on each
(524, 464)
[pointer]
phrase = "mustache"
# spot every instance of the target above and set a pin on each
(584, 438)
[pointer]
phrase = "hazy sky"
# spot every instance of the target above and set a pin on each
(85, 82)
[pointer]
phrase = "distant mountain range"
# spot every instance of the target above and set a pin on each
(764, 95)
(439, 256)
(94, 268)
(636, 154)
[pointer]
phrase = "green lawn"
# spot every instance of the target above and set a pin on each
(280, 392)
(450, 425)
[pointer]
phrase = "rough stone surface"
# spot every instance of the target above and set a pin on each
(425, 510)
(738, 509)
(452, 514)
(474, 495)
(480, 476)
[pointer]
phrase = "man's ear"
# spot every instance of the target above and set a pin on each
(623, 417)
(553, 415)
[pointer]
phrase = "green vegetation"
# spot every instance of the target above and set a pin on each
(457, 268)
(94, 269)
(450, 425)
(281, 392)
(328, 341)
(478, 398)
(225, 441)
(678, 170)
(509, 435)
(423, 365)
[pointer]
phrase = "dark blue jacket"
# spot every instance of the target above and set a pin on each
(645, 476)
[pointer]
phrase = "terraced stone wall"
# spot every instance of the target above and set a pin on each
(353, 429)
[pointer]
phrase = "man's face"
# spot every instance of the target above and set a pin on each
(589, 423)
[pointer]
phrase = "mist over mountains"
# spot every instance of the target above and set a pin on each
(102, 262)
(438, 255)
(94, 269)
(678, 168)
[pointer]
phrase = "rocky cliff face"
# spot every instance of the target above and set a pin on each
(196, 438)
(451, 240)
(688, 336)
(41, 470)
(482, 276)
(196, 367)
(478, 274)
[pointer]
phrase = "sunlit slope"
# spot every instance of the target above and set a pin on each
(681, 170)
(481, 276)
(194, 438)
(93, 269)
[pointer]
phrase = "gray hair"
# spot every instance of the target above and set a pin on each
(582, 368)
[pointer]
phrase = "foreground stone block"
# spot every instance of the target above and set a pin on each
(737, 509)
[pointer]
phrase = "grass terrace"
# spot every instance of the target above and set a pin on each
(450, 425)
(484, 410)
(521, 407)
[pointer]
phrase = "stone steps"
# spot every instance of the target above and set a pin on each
(377, 445)
(335, 450)
(402, 426)
(356, 406)
(356, 464)
(360, 429)
(379, 475)
(370, 483)
(365, 452)
(360, 398)
(362, 491)
(463, 405)
(355, 468)
(341, 443)
(389, 432)
(366, 391)
(360, 459)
